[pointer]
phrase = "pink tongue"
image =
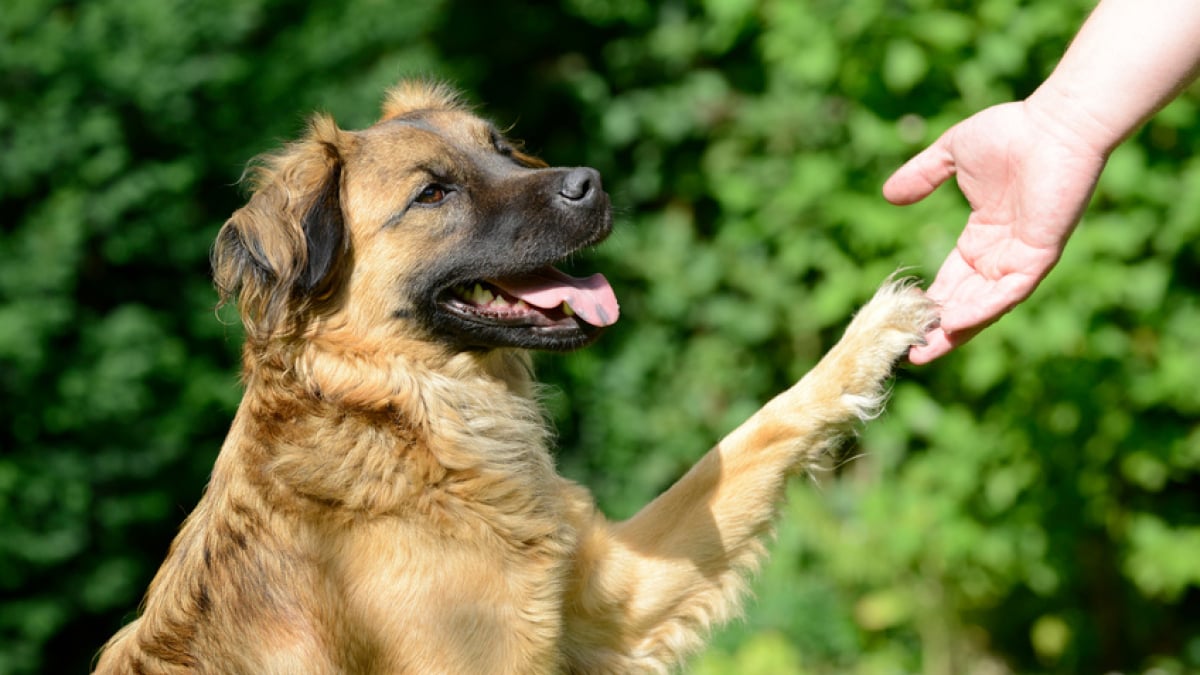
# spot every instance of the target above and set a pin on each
(591, 298)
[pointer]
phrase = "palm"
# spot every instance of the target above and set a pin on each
(1027, 188)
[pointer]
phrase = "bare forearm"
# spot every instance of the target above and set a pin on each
(1129, 59)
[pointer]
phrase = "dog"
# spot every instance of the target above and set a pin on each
(385, 501)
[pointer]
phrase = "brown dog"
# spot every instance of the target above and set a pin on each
(385, 501)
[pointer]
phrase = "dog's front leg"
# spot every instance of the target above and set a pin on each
(649, 589)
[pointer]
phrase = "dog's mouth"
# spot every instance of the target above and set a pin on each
(544, 298)
(556, 309)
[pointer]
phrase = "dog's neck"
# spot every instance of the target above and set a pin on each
(440, 431)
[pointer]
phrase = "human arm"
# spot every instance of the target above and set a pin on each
(1028, 168)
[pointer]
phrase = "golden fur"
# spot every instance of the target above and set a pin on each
(385, 503)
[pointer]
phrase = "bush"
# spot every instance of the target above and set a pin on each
(1028, 503)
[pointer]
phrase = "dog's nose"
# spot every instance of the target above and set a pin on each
(580, 184)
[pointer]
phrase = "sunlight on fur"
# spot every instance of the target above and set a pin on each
(386, 500)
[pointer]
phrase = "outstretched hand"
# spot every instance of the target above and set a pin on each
(1028, 180)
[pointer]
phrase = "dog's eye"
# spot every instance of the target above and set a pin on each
(432, 194)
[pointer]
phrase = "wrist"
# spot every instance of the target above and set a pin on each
(1127, 61)
(1076, 121)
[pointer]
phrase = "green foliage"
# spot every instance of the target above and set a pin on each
(1027, 504)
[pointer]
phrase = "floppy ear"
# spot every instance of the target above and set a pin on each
(280, 252)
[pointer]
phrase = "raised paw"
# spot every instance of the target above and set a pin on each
(857, 368)
(895, 319)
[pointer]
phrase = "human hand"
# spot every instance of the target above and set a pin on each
(1028, 179)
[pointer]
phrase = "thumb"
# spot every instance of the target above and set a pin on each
(920, 175)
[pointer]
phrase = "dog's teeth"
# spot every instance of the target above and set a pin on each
(500, 301)
(566, 309)
(521, 305)
(480, 295)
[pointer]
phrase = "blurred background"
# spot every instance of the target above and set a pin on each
(1030, 504)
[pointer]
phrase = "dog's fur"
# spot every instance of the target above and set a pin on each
(385, 501)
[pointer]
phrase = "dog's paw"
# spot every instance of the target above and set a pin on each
(895, 319)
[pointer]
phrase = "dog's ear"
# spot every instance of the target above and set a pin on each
(280, 253)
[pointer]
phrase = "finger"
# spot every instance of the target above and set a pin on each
(921, 174)
(936, 345)
(968, 300)
(978, 303)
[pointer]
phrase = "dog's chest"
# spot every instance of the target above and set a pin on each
(443, 603)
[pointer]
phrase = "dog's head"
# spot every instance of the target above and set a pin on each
(428, 223)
